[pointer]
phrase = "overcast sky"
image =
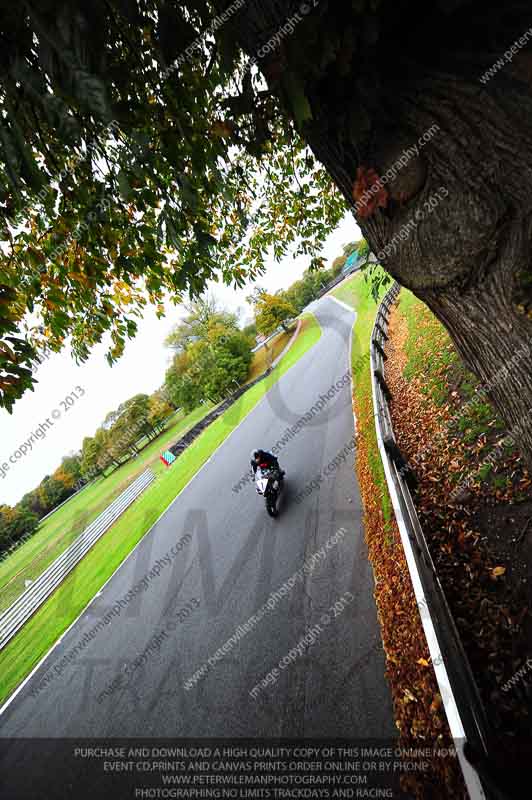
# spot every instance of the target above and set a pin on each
(141, 369)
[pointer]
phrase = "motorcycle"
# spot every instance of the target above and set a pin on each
(269, 483)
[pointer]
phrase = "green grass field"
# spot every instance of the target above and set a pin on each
(349, 291)
(35, 639)
(433, 356)
(357, 293)
(428, 348)
(264, 357)
(61, 528)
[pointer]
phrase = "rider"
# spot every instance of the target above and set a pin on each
(265, 460)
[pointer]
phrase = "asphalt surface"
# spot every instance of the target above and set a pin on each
(233, 558)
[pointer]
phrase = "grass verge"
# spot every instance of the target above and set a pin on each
(19, 657)
(264, 357)
(357, 294)
(57, 532)
(350, 291)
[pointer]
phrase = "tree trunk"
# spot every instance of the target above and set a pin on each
(455, 219)
(495, 344)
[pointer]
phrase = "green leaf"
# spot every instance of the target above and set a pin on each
(299, 104)
(124, 186)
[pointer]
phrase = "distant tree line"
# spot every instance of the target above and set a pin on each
(273, 310)
(117, 439)
(361, 247)
(22, 520)
(142, 417)
(212, 355)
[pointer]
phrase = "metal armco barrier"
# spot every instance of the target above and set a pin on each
(466, 715)
(16, 616)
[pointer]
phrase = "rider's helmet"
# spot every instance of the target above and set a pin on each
(256, 454)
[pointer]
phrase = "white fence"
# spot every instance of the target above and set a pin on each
(16, 616)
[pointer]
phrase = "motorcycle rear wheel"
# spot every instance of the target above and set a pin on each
(272, 510)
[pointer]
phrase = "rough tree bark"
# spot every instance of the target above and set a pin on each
(469, 257)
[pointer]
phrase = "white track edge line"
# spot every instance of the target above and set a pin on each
(341, 303)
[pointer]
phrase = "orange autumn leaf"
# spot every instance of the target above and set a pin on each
(496, 571)
(222, 129)
(368, 193)
(436, 703)
(409, 697)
